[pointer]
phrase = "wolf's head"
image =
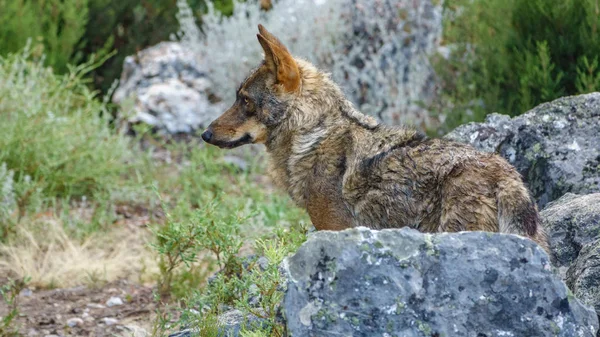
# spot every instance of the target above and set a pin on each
(261, 100)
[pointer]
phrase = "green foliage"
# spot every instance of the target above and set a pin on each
(55, 26)
(253, 288)
(214, 209)
(56, 137)
(219, 210)
(509, 56)
(181, 243)
(10, 294)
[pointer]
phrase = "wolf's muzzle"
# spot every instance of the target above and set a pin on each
(207, 135)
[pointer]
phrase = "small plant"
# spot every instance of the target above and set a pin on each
(256, 289)
(7, 202)
(10, 295)
(205, 239)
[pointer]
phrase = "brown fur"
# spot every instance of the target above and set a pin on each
(348, 170)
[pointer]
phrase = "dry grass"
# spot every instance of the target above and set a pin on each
(44, 252)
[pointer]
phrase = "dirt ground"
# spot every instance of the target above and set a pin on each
(49, 312)
(83, 310)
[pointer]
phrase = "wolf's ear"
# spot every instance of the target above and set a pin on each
(279, 60)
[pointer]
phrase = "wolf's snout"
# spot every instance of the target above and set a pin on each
(207, 135)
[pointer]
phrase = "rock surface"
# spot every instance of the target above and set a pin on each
(573, 226)
(584, 276)
(168, 89)
(572, 222)
(361, 282)
(113, 301)
(555, 146)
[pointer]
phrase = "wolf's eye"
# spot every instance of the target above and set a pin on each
(248, 107)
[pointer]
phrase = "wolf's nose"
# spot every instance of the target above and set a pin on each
(207, 135)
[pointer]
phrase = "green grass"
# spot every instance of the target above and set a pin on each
(56, 133)
(57, 142)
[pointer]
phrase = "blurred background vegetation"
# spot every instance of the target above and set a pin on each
(71, 31)
(508, 56)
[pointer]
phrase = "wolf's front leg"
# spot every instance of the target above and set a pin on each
(327, 210)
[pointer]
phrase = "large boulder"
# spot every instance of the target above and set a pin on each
(362, 282)
(572, 222)
(573, 226)
(583, 277)
(167, 89)
(555, 146)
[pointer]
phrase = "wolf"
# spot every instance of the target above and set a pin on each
(348, 170)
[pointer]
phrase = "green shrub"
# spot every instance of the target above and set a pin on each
(55, 26)
(56, 136)
(511, 55)
(238, 282)
(181, 243)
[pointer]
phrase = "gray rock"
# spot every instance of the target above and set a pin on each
(114, 301)
(168, 89)
(75, 321)
(237, 162)
(109, 320)
(135, 331)
(361, 282)
(584, 276)
(573, 225)
(555, 146)
(572, 222)
(95, 306)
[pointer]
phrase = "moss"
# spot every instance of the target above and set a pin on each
(400, 306)
(424, 328)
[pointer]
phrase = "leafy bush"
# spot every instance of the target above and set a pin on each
(56, 136)
(509, 56)
(56, 26)
(254, 288)
(181, 243)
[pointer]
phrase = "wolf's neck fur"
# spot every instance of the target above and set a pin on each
(316, 140)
